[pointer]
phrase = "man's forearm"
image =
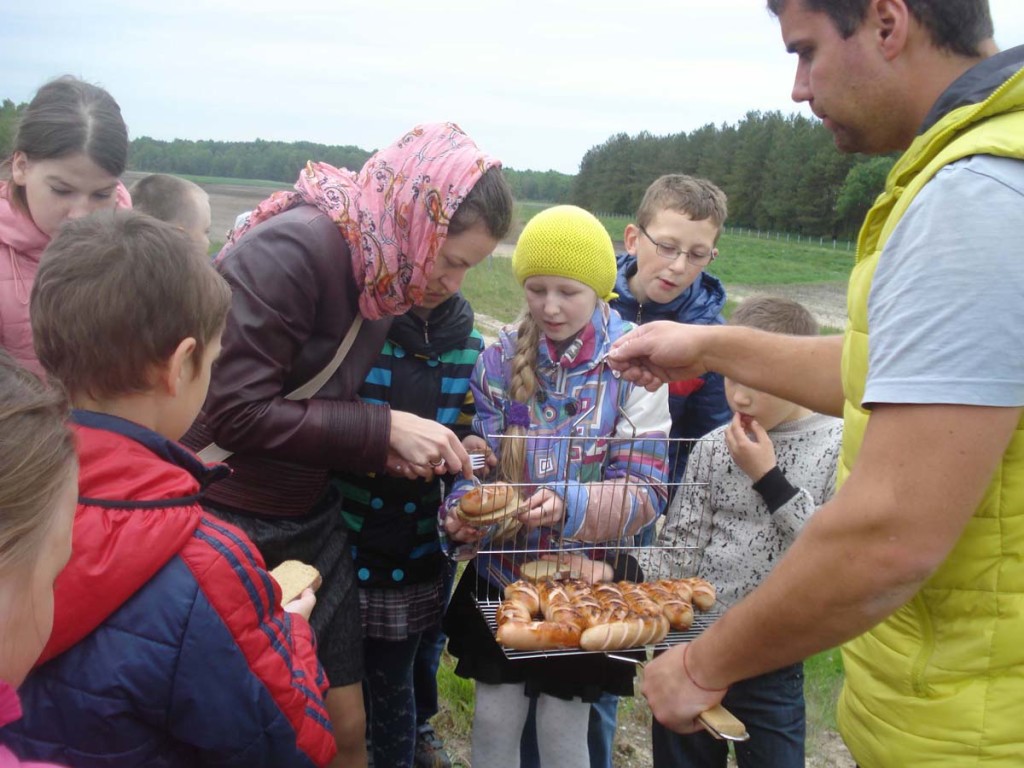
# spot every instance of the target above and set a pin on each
(820, 595)
(920, 475)
(801, 369)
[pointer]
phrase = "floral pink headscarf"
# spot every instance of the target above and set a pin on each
(393, 213)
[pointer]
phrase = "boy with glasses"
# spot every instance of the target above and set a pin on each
(661, 277)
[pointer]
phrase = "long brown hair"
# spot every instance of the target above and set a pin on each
(67, 116)
(37, 452)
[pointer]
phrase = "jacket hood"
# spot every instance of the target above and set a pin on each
(701, 303)
(586, 351)
(445, 328)
(976, 84)
(138, 503)
(18, 230)
(21, 233)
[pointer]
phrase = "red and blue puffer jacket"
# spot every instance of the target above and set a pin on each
(169, 646)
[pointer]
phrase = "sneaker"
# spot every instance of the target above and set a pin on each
(430, 750)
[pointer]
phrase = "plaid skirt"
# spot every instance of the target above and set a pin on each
(320, 539)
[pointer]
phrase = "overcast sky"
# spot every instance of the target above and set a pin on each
(535, 82)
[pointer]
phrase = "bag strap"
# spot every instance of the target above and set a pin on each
(213, 453)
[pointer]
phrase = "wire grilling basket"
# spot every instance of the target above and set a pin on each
(614, 491)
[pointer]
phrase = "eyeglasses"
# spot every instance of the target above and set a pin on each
(671, 253)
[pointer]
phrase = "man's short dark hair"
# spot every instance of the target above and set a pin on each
(959, 26)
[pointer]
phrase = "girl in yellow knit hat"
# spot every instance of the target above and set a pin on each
(587, 453)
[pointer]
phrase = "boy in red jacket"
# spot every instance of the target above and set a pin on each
(169, 645)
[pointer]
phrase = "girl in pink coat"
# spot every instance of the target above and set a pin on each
(38, 493)
(70, 149)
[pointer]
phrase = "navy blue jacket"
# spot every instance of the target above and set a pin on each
(697, 405)
(169, 647)
(424, 368)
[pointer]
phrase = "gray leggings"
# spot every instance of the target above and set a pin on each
(498, 726)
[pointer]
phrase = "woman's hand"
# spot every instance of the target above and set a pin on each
(545, 507)
(750, 446)
(423, 448)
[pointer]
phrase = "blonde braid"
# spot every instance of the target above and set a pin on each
(522, 387)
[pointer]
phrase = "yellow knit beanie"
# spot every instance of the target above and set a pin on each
(567, 241)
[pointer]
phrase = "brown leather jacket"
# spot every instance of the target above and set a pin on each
(293, 299)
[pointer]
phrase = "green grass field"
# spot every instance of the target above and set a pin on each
(224, 180)
(743, 260)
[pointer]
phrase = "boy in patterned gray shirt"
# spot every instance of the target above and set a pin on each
(748, 488)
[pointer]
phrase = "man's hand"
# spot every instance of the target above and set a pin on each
(659, 352)
(673, 695)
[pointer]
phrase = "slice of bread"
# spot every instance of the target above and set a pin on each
(294, 576)
(538, 570)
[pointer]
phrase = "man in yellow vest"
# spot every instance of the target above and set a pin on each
(917, 564)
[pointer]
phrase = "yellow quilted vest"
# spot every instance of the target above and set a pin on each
(941, 681)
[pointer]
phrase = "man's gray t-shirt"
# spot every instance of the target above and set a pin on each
(946, 308)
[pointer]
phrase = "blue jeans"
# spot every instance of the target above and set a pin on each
(601, 735)
(389, 700)
(428, 659)
(772, 708)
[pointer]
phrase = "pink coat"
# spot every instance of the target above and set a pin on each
(10, 710)
(21, 246)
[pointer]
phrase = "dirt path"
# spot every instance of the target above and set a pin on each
(826, 301)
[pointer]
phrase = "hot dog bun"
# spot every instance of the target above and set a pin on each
(488, 504)
(538, 635)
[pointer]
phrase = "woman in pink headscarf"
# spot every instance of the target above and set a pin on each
(343, 247)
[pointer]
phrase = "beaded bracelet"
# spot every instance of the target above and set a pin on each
(686, 669)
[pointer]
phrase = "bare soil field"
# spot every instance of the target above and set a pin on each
(226, 202)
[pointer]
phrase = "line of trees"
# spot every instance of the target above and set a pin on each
(781, 172)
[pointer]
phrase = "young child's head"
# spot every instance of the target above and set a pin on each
(38, 493)
(777, 315)
(674, 236)
(70, 149)
(177, 201)
(126, 306)
(565, 261)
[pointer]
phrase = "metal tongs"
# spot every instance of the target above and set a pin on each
(718, 721)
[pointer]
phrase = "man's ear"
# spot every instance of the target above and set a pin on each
(891, 19)
(180, 368)
(629, 237)
(19, 168)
